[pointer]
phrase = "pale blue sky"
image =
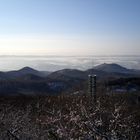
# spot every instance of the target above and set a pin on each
(59, 27)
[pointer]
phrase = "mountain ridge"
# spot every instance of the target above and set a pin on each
(30, 81)
(99, 70)
(113, 67)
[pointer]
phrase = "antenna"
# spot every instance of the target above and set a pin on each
(92, 86)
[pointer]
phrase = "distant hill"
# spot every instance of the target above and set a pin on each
(23, 72)
(99, 73)
(102, 71)
(67, 74)
(30, 81)
(30, 77)
(115, 68)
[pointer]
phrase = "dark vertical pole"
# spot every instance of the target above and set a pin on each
(90, 85)
(94, 87)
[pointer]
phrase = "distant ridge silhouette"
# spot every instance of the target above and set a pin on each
(102, 70)
(112, 68)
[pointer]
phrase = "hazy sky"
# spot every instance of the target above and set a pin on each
(69, 27)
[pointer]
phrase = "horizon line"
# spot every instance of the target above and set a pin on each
(43, 55)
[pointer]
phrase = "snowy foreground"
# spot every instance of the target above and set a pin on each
(72, 117)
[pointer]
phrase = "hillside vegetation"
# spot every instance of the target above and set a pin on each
(70, 117)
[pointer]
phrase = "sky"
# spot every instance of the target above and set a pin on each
(69, 27)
